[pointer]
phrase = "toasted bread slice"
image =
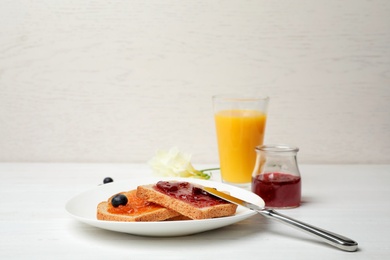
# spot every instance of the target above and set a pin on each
(136, 209)
(187, 199)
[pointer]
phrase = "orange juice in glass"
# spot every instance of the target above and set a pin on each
(240, 126)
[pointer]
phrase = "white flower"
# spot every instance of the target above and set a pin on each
(174, 163)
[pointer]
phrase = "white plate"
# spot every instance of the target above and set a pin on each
(83, 208)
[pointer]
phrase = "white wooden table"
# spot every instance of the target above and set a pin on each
(352, 200)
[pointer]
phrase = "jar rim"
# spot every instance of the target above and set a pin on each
(277, 148)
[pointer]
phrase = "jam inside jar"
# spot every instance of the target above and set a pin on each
(276, 177)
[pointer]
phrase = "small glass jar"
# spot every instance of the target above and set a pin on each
(276, 177)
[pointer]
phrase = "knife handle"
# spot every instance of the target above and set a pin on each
(331, 238)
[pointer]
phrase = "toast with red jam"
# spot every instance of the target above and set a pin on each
(187, 199)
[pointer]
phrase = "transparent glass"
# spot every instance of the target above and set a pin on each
(240, 126)
(276, 177)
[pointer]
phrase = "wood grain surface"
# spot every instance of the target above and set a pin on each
(33, 215)
(112, 81)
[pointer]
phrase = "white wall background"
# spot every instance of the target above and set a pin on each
(112, 81)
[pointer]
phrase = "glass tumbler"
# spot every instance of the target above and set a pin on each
(240, 123)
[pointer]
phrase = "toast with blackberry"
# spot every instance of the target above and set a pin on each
(127, 206)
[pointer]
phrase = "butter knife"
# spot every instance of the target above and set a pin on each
(331, 238)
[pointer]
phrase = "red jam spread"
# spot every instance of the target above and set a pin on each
(188, 193)
(277, 189)
(134, 206)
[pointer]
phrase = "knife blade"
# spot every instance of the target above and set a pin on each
(331, 238)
